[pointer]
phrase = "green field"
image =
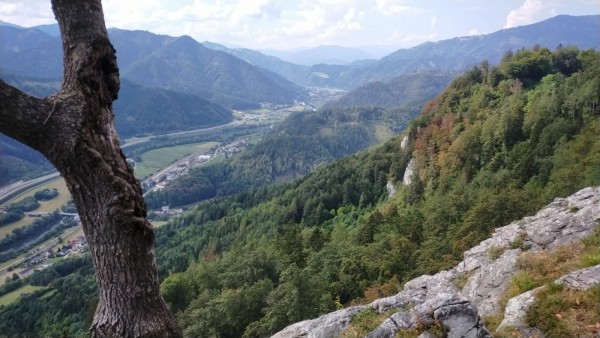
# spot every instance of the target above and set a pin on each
(13, 296)
(45, 206)
(158, 224)
(157, 159)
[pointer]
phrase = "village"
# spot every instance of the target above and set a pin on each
(160, 180)
(44, 258)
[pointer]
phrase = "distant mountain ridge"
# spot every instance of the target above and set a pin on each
(402, 91)
(290, 71)
(455, 54)
(4, 23)
(462, 52)
(452, 55)
(183, 64)
(179, 64)
(324, 54)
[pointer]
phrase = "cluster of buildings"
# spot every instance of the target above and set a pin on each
(159, 182)
(40, 260)
(232, 148)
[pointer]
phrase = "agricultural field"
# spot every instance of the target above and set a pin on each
(14, 295)
(45, 206)
(157, 159)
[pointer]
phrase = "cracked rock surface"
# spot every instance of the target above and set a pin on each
(516, 309)
(435, 300)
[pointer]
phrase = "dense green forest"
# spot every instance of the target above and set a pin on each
(496, 145)
(402, 91)
(297, 146)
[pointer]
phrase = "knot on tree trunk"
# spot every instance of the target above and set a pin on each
(98, 70)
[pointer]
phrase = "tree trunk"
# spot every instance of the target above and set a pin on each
(75, 130)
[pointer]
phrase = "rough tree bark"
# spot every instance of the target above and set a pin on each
(75, 130)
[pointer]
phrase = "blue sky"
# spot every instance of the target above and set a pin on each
(286, 24)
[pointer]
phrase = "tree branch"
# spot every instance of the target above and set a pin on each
(22, 115)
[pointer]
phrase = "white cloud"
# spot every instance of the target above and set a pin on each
(283, 24)
(529, 12)
(394, 7)
(26, 12)
(317, 23)
(473, 31)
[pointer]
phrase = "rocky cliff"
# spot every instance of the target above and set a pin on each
(452, 303)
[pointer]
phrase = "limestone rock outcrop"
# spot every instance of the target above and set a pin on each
(488, 269)
(409, 172)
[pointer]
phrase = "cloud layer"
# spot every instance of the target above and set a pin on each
(531, 11)
(282, 24)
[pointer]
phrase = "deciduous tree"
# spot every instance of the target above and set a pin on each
(75, 130)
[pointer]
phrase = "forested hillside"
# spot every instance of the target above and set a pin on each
(496, 145)
(402, 91)
(499, 143)
(297, 146)
(140, 110)
(172, 63)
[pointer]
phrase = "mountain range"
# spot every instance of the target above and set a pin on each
(191, 80)
(455, 54)
(179, 64)
(328, 54)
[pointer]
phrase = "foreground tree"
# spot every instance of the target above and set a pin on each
(75, 130)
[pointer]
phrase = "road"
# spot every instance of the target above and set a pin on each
(7, 191)
(137, 140)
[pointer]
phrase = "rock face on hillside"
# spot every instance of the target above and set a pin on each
(487, 268)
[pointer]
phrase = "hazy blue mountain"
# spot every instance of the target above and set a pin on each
(50, 29)
(326, 54)
(4, 23)
(447, 55)
(462, 52)
(29, 52)
(226, 80)
(290, 71)
(178, 64)
(183, 64)
(402, 91)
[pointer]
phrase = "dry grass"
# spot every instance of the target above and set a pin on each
(561, 312)
(364, 322)
(542, 268)
(461, 279)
